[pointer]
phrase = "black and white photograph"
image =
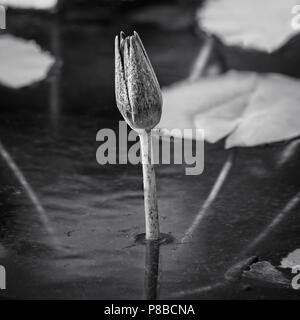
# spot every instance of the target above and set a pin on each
(149, 151)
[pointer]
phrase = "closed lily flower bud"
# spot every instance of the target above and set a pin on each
(138, 93)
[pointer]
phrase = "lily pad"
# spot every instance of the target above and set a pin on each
(259, 24)
(22, 62)
(249, 109)
(29, 4)
(265, 272)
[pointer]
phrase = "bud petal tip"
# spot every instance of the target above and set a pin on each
(122, 35)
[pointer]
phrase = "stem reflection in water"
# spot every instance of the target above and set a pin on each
(151, 270)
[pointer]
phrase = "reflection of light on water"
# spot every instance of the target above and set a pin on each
(262, 236)
(29, 191)
(274, 223)
(198, 290)
(289, 151)
(201, 60)
(212, 196)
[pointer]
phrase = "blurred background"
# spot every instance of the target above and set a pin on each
(67, 224)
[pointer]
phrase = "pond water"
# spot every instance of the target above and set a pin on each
(68, 230)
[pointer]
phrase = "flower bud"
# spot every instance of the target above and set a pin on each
(138, 93)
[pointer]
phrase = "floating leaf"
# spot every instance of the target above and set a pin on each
(247, 108)
(265, 272)
(185, 100)
(261, 24)
(22, 62)
(24, 4)
(273, 113)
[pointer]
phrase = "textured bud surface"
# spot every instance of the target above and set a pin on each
(138, 94)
